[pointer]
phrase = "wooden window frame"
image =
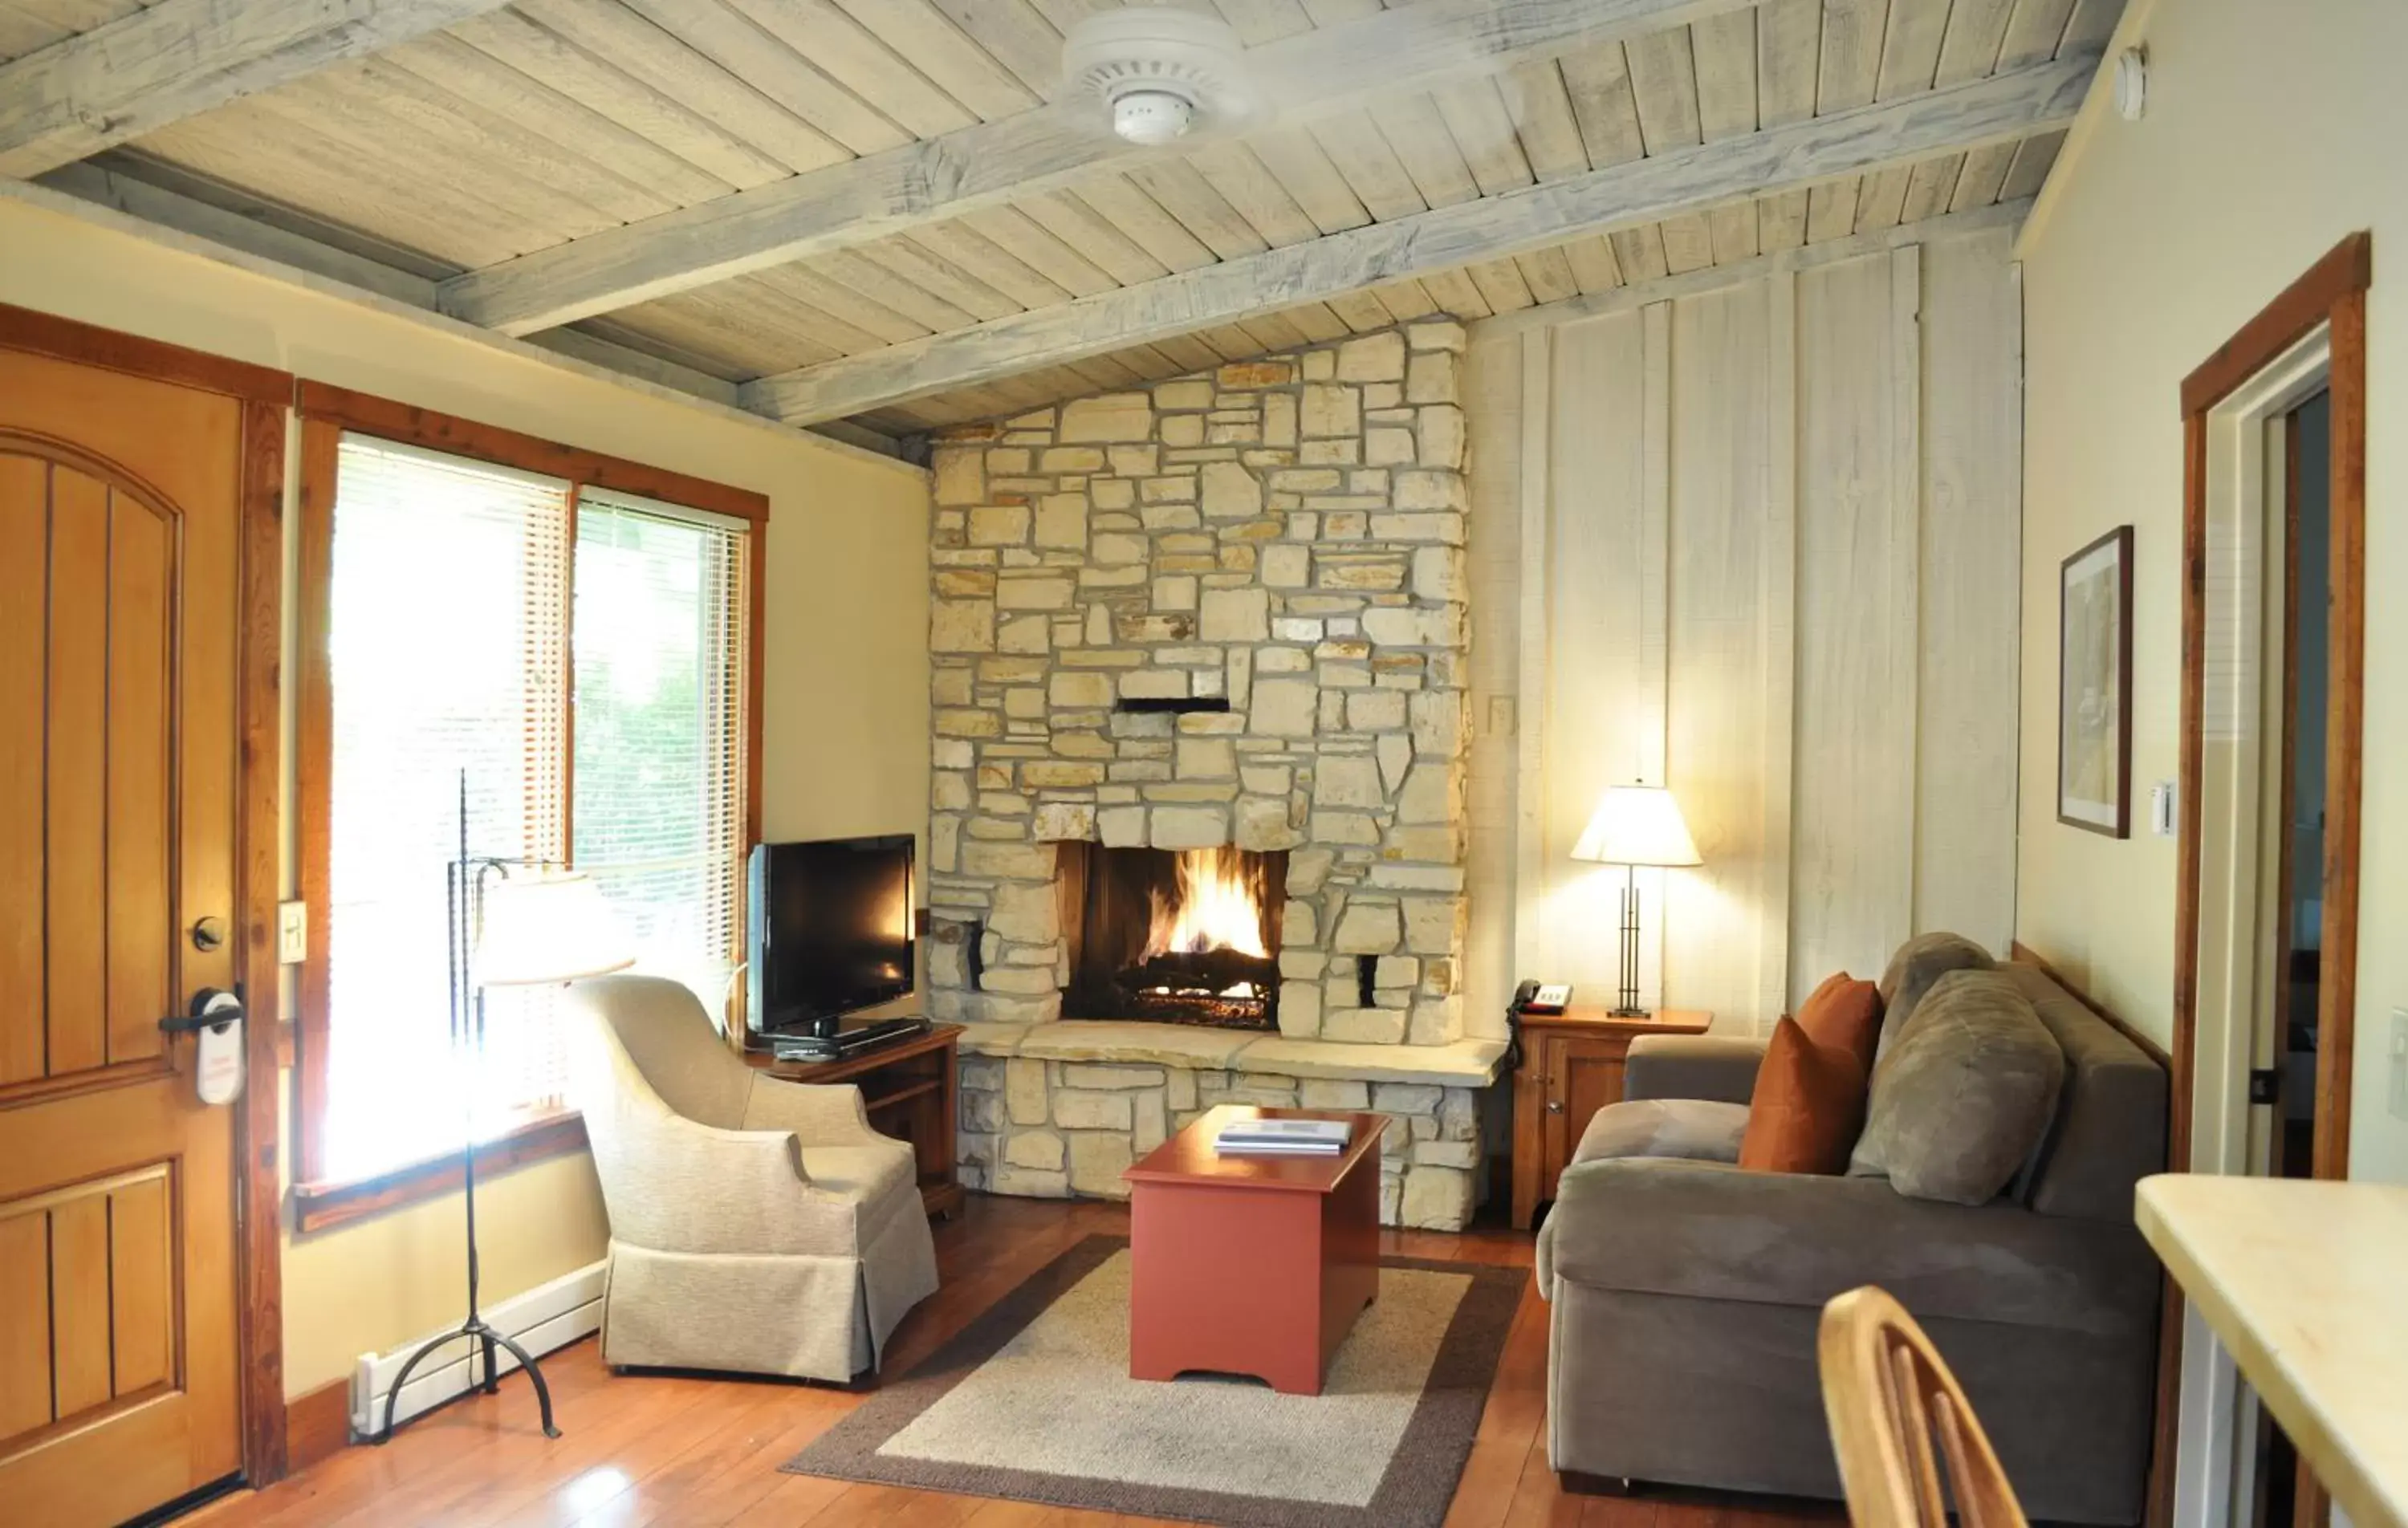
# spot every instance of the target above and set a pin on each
(328, 413)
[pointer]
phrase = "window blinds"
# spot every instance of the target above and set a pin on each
(660, 745)
(448, 639)
(604, 727)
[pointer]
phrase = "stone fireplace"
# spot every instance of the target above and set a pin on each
(1199, 652)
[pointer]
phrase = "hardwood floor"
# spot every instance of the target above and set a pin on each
(685, 1452)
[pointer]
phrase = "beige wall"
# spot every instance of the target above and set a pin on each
(1777, 574)
(2272, 132)
(846, 671)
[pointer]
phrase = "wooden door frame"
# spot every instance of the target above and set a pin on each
(265, 395)
(2331, 293)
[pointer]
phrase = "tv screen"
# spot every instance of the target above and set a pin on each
(831, 928)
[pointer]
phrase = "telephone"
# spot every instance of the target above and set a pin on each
(1542, 997)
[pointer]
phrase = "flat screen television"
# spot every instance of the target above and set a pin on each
(832, 925)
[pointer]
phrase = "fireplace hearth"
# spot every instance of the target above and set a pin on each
(1186, 937)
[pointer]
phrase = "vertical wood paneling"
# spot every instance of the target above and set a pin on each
(24, 528)
(1604, 712)
(1972, 499)
(1905, 547)
(1778, 530)
(1851, 817)
(25, 1324)
(141, 1285)
(80, 1328)
(1714, 713)
(1533, 931)
(77, 838)
(1494, 417)
(139, 937)
(1779, 630)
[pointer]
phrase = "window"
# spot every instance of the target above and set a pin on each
(572, 659)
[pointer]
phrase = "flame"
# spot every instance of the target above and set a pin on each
(1215, 909)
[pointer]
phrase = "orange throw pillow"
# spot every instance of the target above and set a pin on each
(1808, 1108)
(1845, 1014)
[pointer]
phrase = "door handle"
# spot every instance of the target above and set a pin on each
(213, 1007)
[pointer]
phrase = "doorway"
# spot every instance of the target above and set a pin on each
(2266, 918)
(2276, 1488)
(138, 1363)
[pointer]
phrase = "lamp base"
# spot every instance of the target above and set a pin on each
(484, 1337)
(1630, 1013)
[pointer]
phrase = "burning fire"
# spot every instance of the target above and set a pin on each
(1215, 909)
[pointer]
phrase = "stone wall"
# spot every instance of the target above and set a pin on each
(1287, 532)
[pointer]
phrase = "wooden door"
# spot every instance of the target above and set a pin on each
(120, 520)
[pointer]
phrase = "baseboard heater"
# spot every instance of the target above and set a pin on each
(544, 1318)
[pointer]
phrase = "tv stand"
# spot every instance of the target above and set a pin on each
(911, 1090)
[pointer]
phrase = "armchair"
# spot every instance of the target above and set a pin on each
(756, 1226)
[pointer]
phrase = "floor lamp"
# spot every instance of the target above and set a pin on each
(1635, 825)
(515, 922)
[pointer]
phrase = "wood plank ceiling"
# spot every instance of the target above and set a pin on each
(551, 120)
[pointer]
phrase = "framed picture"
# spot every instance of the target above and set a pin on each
(2094, 701)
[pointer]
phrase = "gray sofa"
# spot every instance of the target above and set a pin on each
(1685, 1292)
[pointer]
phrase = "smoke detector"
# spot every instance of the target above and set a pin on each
(1163, 74)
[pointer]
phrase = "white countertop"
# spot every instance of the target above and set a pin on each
(2307, 1286)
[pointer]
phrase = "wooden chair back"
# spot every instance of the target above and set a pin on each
(1889, 1398)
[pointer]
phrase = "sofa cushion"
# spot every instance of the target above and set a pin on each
(1920, 962)
(1846, 1015)
(1964, 1095)
(1691, 1128)
(1809, 1104)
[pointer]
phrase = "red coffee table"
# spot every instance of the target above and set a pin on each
(1251, 1264)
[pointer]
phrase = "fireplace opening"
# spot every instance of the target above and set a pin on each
(1185, 937)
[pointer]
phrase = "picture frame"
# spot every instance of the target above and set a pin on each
(2094, 701)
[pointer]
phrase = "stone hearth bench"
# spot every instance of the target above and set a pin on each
(1054, 1110)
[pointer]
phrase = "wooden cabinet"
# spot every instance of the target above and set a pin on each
(1571, 1067)
(910, 1090)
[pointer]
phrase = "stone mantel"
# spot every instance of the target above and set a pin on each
(1462, 1064)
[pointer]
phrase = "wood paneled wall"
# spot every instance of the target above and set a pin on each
(1759, 543)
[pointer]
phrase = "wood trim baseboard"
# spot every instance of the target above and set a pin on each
(2024, 954)
(322, 1206)
(316, 1425)
(405, 422)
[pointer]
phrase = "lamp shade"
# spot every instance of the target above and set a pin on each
(1637, 825)
(550, 926)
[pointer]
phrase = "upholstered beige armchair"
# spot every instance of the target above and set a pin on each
(755, 1225)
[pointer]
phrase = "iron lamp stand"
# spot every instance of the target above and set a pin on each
(464, 889)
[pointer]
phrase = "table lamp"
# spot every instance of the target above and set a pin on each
(1635, 825)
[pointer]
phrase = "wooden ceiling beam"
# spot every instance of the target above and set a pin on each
(1668, 185)
(1312, 75)
(179, 58)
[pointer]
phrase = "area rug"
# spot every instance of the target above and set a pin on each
(1033, 1402)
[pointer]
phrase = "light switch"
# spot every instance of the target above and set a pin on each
(2161, 808)
(1501, 716)
(292, 932)
(2399, 1058)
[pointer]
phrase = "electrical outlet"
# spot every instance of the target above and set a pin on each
(2398, 1057)
(292, 932)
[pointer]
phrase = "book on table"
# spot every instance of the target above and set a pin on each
(1284, 1137)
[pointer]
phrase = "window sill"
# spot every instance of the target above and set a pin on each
(324, 1205)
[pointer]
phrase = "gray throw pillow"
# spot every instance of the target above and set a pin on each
(1965, 1096)
(1920, 962)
